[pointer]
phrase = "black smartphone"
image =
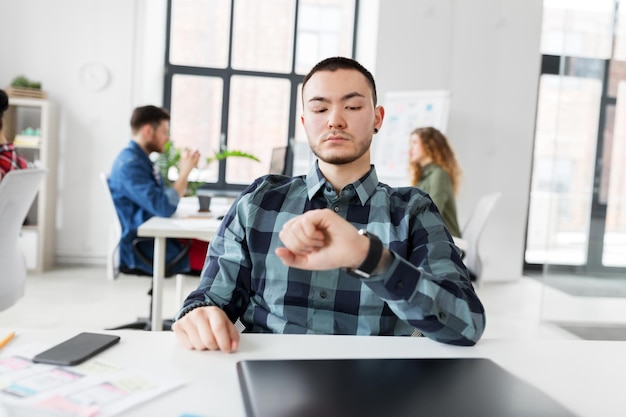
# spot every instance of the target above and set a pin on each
(77, 349)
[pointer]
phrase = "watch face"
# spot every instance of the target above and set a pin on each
(94, 76)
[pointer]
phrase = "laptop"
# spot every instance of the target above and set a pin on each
(433, 387)
(277, 162)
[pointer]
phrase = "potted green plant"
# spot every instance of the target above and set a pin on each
(171, 156)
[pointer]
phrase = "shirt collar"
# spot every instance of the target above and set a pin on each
(365, 186)
(138, 150)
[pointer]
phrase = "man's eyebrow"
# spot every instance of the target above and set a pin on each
(344, 98)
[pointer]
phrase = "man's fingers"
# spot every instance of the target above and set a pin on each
(221, 337)
(234, 338)
(286, 256)
(206, 338)
(182, 335)
(188, 334)
(313, 234)
(207, 328)
(301, 237)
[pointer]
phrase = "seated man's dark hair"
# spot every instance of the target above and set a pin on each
(147, 115)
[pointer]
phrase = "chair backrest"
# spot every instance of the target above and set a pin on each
(115, 231)
(18, 189)
(472, 231)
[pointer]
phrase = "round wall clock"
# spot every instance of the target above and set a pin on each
(94, 76)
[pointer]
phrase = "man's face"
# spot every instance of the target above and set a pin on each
(339, 115)
(158, 137)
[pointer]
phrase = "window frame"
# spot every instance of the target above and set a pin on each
(559, 65)
(226, 74)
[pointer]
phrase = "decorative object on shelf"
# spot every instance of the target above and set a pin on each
(171, 155)
(94, 76)
(25, 88)
(28, 138)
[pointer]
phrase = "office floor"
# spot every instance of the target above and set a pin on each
(82, 297)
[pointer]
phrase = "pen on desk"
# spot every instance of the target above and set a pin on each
(6, 339)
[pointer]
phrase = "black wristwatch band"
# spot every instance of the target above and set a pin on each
(372, 259)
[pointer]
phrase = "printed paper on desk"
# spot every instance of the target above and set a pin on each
(93, 388)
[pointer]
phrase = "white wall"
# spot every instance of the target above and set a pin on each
(485, 51)
(51, 41)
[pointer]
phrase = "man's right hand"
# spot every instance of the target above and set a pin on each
(188, 161)
(207, 328)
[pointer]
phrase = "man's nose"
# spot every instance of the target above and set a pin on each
(336, 120)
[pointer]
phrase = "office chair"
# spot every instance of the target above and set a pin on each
(114, 269)
(18, 190)
(472, 231)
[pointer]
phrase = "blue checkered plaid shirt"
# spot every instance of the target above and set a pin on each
(426, 286)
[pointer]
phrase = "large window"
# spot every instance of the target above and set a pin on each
(233, 75)
(577, 215)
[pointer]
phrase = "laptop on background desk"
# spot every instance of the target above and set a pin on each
(277, 161)
(430, 387)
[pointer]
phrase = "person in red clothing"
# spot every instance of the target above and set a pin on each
(10, 159)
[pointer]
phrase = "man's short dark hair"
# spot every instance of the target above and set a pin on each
(340, 62)
(147, 115)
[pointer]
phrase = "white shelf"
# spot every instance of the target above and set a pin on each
(38, 238)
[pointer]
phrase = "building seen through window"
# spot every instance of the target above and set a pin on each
(577, 212)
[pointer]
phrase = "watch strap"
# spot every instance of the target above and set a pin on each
(372, 259)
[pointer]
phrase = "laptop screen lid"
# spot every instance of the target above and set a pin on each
(430, 387)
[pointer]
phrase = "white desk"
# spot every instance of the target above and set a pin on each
(585, 376)
(185, 224)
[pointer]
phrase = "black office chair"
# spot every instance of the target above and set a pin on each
(145, 323)
(114, 269)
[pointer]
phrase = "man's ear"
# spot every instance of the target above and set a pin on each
(146, 131)
(379, 115)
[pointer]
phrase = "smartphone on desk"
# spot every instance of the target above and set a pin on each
(77, 349)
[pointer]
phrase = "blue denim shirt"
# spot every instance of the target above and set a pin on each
(139, 193)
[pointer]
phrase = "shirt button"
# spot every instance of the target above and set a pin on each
(323, 294)
(336, 209)
(399, 285)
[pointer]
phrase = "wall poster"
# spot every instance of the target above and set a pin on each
(405, 111)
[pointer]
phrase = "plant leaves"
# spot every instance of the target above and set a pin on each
(171, 156)
(225, 153)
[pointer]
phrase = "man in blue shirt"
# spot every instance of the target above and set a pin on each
(290, 258)
(139, 192)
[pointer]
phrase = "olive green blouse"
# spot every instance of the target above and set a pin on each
(437, 183)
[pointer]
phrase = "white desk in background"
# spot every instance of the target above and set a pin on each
(186, 223)
(587, 377)
(461, 243)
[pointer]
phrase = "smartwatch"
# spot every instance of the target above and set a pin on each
(375, 252)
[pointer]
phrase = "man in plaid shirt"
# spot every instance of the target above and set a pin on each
(289, 256)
